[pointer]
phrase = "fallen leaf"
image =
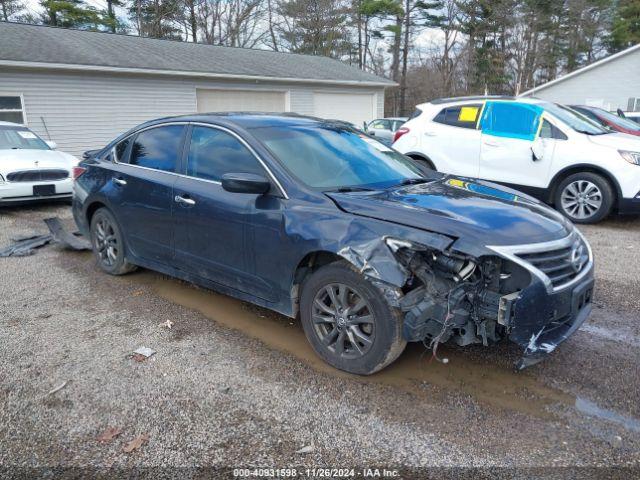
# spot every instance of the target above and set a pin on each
(136, 443)
(137, 293)
(139, 357)
(109, 434)
(167, 324)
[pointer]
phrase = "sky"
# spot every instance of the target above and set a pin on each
(429, 38)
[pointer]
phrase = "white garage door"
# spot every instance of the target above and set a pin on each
(350, 107)
(240, 101)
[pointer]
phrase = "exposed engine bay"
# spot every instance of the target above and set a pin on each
(456, 298)
(452, 297)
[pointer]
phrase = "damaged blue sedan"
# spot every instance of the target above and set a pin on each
(315, 220)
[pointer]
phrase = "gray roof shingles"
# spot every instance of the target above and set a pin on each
(34, 43)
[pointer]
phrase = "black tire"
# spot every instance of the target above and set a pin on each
(108, 243)
(595, 190)
(384, 332)
(424, 163)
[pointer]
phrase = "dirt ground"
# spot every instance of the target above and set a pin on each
(236, 386)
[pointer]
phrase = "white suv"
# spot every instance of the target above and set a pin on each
(544, 149)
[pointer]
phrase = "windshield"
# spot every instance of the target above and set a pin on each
(20, 138)
(330, 157)
(578, 122)
(622, 122)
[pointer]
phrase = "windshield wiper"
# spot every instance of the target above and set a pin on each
(351, 189)
(411, 181)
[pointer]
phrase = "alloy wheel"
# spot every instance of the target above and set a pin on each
(106, 242)
(581, 199)
(343, 320)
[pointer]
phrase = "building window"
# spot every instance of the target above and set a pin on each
(11, 109)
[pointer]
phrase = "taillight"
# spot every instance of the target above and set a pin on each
(401, 131)
(77, 171)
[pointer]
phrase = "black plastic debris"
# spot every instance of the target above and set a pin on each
(63, 237)
(27, 244)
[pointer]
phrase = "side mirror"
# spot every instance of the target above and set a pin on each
(245, 183)
(52, 145)
(537, 149)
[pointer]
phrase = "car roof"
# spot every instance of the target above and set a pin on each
(245, 119)
(479, 98)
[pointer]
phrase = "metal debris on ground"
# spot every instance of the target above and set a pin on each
(136, 443)
(27, 244)
(109, 434)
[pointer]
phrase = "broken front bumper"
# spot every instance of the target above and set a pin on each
(541, 321)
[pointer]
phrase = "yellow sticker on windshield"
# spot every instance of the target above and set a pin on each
(468, 114)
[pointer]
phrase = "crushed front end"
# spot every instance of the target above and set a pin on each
(535, 295)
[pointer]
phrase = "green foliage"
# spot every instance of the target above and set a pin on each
(320, 27)
(626, 25)
(73, 14)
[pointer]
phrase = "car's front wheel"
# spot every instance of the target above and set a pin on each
(584, 197)
(348, 321)
(108, 244)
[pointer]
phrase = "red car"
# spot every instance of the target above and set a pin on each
(608, 119)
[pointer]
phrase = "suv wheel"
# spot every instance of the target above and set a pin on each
(348, 322)
(584, 197)
(107, 243)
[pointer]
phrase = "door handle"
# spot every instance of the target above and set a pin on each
(119, 181)
(184, 200)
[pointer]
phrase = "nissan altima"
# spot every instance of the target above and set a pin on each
(319, 222)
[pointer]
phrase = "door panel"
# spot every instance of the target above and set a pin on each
(509, 130)
(452, 140)
(214, 227)
(145, 186)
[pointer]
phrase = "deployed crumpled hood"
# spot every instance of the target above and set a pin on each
(25, 159)
(475, 211)
(619, 141)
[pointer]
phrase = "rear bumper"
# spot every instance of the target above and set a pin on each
(20, 192)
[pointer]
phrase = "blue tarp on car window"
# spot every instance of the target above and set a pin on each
(511, 120)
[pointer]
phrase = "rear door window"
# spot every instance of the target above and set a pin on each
(464, 116)
(214, 152)
(157, 148)
(381, 125)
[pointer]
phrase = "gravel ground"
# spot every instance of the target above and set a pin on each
(233, 385)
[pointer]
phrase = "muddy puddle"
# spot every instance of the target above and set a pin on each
(489, 384)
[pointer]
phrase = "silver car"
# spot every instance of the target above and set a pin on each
(385, 128)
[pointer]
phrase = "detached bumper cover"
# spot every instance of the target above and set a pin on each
(542, 321)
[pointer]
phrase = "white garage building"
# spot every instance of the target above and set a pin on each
(81, 89)
(610, 83)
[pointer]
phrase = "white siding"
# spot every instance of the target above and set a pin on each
(610, 84)
(83, 111)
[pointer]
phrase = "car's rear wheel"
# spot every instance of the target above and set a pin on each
(108, 244)
(584, 197)
(348, 321)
